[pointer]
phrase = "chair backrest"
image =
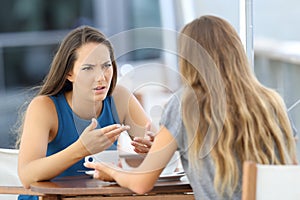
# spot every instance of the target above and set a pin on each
(8, 170)
(270, 182)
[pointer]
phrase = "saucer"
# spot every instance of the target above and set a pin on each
(90, 172)
(163, 177)
(171, 177)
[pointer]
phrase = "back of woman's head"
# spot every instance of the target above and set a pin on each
(63, 62)
(242, 119)
(221, 43)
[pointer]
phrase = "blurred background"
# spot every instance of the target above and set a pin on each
(30, 31)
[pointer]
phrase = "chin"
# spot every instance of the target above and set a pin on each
(100, 97)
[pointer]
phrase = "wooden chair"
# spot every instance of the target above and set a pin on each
(270, 182)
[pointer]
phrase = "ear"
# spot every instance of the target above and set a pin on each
(70, 77)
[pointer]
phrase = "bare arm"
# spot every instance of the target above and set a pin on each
(143, 178)
(131, 112)
(40, 127)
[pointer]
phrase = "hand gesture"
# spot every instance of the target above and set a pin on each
(97, 140)
(142, 145)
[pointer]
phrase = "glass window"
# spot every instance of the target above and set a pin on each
(30, 67)
(40, 15)
(35, 27)
(30, 31)
(144, 14)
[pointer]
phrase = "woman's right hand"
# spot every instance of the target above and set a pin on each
(97, 140)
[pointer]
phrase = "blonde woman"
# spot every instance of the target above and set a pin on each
(222, 117)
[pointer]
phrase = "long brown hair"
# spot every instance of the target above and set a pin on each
(56, 81)
(255, 125)
(63, 62)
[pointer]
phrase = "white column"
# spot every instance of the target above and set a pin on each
(246, 28)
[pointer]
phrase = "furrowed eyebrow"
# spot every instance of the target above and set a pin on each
(89, 65)
(93, 65)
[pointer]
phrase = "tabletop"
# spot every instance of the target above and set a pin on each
(85, 187)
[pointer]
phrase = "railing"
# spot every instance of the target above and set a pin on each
(277, 65)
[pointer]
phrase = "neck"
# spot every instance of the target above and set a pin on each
(83, 108)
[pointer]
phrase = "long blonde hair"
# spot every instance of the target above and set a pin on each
(242, 119)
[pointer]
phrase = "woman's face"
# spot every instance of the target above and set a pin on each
(92, 72)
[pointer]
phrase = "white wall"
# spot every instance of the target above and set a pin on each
(228, 9)
(276, 19)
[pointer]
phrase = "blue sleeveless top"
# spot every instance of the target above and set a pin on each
(70, 126)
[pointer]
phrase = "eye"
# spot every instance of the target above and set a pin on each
(86, 67)
(107, 65)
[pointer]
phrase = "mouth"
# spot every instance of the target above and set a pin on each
(99, 88)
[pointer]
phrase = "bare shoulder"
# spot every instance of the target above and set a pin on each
(121, 92)
(121, 95)
(42, 106)
(42, 111)
(41, 102)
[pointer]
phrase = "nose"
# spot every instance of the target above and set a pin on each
(100, 75)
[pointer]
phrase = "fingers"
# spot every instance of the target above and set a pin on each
(141, 150)
(114, 127)
(92, 125)
(96, 140)
(102, 172)
(91, 165)
(95, 166)
(148, 133)
(96, 174)
(113, 133)
(142, 142)
(141, 145)
(150, 136)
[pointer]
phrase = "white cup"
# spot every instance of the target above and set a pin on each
(130, 161)
(110, 156)
(128, 157)
(124, 144)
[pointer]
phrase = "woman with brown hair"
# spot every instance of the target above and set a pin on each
(220, 118)
(78, 110)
